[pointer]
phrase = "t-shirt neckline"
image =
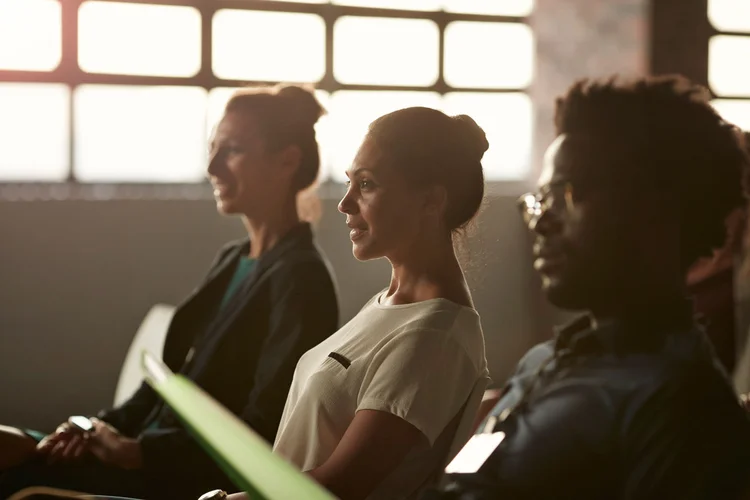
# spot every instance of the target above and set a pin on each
(436, 300)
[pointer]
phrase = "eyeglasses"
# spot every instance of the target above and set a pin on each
(552, 196)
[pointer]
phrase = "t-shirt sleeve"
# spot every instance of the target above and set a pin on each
(422, 376)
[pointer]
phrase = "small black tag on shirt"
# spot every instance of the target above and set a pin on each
(341, 359)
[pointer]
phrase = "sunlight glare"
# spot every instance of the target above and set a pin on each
(507, 120)
(407, 56)
(393, 4)
(512, 46)
(728, 58)
(490, 7)
(729, 15)
(168, 41)
(265, 46)
(351, 114)
(140, 134)
(30, 35)
(734, 111)
(34, 131)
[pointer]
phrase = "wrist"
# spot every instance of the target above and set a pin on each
(131, 453)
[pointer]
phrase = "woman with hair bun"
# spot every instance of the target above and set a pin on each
(266, 300)
(376, 410)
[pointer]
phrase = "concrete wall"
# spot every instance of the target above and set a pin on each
(77, 277)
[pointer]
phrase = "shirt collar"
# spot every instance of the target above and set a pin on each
(637, 334)
(299, 236)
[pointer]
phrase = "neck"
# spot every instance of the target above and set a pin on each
(427, 271)
(651, 308)
(266, 231)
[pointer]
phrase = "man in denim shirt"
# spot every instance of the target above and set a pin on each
(628, 401)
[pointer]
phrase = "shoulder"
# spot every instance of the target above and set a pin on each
(443, 316)
(304, 273)
(300, 264)
(231, 249)
(449, 334)
(534, 357)
(686, 364)
(687, 387)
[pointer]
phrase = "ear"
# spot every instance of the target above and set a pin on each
(435, 201)
(289, 159)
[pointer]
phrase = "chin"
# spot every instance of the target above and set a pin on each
(364, 252)
(226, 207)
(563, 296)
(360, 255)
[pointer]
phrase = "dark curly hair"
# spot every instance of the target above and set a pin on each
(675, 141)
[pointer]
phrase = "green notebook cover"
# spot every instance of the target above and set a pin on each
(245, 457)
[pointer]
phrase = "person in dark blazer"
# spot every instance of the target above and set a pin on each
(266, 300)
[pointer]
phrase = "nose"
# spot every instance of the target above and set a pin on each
(348, 205)
(215, 162)
(544, 223)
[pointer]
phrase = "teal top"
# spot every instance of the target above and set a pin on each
(244, 267)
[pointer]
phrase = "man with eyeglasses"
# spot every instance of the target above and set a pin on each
(629, 400)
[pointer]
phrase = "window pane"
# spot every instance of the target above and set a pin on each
(268, 46)
(729, 15)
(217, 100)
(736, 112)
(507, 120)
(130, 39)
(140, 134)
(30, 35)
(727, 65)
(490, 7)
(407, 56)
(351, 112)
(512, 64)
(393, 4)
(35, 131)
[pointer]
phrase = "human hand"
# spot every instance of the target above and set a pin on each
(745, 401)
(64, 445)
(112, 448)
(214, 495)
(238, 496)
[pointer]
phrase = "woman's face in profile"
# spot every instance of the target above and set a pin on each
(382, 211)
(245, 178)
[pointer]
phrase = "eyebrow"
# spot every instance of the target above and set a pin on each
(359, 171)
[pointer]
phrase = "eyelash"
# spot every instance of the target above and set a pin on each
(364, 184)
(225, 150)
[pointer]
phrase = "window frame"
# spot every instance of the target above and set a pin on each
(680, 35)
(69, 73)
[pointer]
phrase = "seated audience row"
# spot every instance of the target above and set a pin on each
(628, 401)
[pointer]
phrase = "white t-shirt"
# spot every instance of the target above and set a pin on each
(423, 362)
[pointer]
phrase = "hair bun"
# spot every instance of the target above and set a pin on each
(472, 136)
(304, 101)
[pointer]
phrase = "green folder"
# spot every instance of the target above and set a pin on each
(245, 457)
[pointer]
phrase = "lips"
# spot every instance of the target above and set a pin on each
(549, 265)
(221, 190)
(356, 234)
(548, 259)
(357, 231)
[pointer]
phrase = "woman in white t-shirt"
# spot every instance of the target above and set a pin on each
(377, 409)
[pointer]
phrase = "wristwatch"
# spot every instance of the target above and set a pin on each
(214, 495)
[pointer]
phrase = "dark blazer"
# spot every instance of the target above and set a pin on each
(244, 355)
